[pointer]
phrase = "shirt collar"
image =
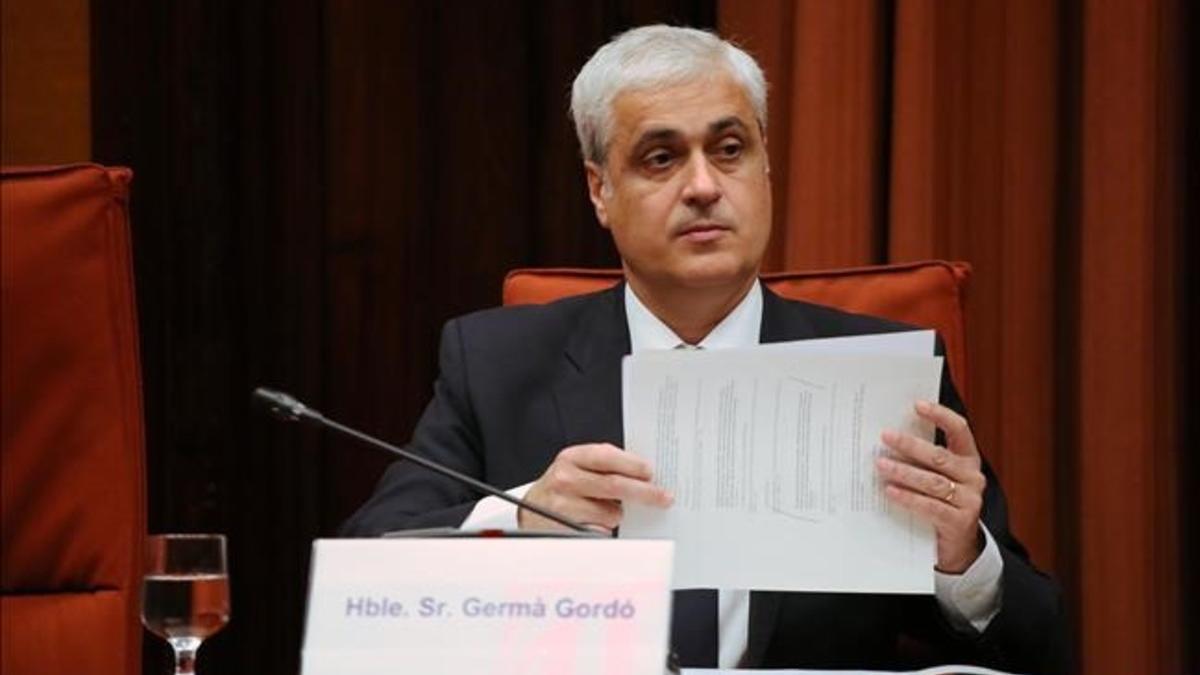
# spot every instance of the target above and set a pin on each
(739, 328)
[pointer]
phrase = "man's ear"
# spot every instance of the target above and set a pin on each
(766, 155)
(596, 189)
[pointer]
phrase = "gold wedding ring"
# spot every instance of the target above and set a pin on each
(949, 496)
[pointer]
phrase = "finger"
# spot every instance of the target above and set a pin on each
(602, 512)
(595, 513)
(917, 480)
(961, 497)
(605, 458)
(959, 438)
(622, 488)
(957, 531)
(935, 511)
(931, 456)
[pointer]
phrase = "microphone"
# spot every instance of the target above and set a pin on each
(283, 406)
(289, 409)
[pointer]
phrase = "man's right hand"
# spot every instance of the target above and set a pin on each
(588, 484)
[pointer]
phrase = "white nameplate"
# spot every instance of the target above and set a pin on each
(526, 606)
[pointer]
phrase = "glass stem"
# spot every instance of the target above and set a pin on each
(185, 654)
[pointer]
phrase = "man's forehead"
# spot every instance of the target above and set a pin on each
(701, 106)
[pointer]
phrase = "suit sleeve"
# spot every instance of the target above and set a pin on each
(409, 496)
(1028, 634)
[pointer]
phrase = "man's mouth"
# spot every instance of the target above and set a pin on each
(702, 232)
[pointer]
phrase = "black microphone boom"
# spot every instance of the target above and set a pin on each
(289, 409)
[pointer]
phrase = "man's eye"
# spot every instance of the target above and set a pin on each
(659, 159)
(730, 149)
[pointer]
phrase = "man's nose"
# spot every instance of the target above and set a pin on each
(702, 189)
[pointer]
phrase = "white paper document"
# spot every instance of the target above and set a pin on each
(934, 670)
(770, 454)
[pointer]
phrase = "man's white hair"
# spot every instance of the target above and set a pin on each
(651, 57)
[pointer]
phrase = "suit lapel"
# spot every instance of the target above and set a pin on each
(783, 320)
(588, 393)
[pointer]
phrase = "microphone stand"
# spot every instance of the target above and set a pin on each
(289, 409)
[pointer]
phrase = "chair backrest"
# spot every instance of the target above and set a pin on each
(72, 502)
(930, 294)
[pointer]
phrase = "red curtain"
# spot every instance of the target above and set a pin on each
(1039, 141)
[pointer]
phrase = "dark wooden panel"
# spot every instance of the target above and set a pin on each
(1189, 312)
(451, 161)
(319, 185)
(1128, 460)
(44, 103)
(218, 108)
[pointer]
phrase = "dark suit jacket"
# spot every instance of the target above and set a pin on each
(518, 384)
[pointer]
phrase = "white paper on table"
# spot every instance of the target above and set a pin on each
(905, 343)
(934, 670)
(770, 454)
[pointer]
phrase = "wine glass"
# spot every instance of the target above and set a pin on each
(185, 592)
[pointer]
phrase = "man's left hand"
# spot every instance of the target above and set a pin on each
(942, 485)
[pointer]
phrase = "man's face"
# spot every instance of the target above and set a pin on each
(685, 188)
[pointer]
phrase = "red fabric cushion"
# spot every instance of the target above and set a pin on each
(929, 294)
(66, 633)
(72, 502)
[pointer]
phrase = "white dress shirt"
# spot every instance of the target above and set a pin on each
(969, 600)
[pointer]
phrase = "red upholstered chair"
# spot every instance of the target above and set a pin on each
(72, 495)
(928, 294)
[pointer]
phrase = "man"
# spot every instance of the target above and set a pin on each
(672, 123)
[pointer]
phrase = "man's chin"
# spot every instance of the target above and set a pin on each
(694, 273)
(714, 277)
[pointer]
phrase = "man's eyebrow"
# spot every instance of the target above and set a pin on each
(725, 124)
(659, 134)
(655, 134)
